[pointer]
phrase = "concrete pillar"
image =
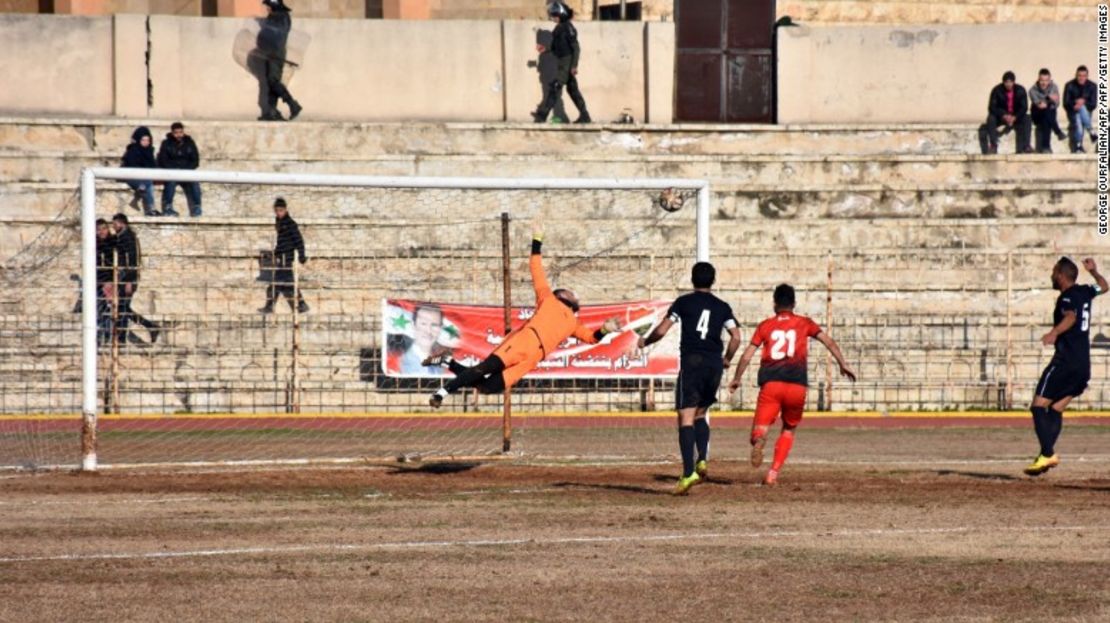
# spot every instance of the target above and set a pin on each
(112, 7)
(19, 6)
(659, 55)
(129, 65)
(240, 8)
(406, 9)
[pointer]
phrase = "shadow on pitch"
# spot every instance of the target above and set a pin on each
(978, 475)
(609, 487)
(436, 468)
(1097, 488)
(712, 480)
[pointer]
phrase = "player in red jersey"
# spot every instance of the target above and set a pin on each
(782, 376)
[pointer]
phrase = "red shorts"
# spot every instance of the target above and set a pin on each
(777, 397)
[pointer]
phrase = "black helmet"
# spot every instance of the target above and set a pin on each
(556, 9)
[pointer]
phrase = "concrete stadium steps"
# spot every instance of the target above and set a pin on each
(30, 202)
(244, 139)
(765, 170)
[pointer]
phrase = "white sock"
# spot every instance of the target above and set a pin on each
(441, 392)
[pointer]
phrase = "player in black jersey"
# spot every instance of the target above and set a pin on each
(703, 317)
(1070, 369)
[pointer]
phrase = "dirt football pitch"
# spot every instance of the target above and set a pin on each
(914, 524)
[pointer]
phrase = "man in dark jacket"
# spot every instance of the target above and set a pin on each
(105, 267)
(1008, 107)
(272, 40)
(128, 263)
(1080, 98)
(105, 277)
(289, 243)
(564, 46)
(140, 155)
(178, 151)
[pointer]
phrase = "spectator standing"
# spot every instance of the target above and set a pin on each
(272, 41)
(564, 46)
(1080, 98)
(289, 243)
(178, 151)
(1007, 107)
(140, 155)
(128, 263)
(1044, 99)
(105, 267)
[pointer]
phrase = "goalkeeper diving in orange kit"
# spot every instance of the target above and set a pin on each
(555, 319)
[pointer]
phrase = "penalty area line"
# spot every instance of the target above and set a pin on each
(551, 541)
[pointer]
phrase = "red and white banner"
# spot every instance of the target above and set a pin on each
(410, 329)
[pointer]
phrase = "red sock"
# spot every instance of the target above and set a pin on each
(782, 448)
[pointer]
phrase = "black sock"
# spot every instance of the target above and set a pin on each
(1041, 426)
(686, 444)
(1055, 425)
(701, 434)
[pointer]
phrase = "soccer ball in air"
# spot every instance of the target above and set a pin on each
(670, 200)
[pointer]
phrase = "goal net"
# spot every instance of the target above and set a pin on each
(187, 363)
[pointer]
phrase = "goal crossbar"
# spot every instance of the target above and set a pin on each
(89, 176)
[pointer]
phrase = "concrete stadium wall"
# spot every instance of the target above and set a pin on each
(56, 65)
(365, 70)
(369, 70)
(353, 71)
(943, 74)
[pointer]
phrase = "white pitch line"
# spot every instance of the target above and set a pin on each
(580, 540)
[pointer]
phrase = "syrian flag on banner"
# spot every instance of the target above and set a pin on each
(399, 321)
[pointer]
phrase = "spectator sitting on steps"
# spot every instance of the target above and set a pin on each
(1080, 98)
(289, 243)
(140, 155)
(1044, 99)
(1007, 107)
(178, 151)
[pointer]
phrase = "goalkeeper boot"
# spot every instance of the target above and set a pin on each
(439, 356)
(701, 469)
(436, 401)
(757, 451)
(772, 478)
(684, 484)
(1042, 464)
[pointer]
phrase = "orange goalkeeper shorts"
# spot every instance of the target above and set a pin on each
(777, 397)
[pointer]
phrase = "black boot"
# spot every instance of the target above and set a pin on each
(294, 109)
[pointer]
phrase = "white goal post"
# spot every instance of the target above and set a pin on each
(89, 177)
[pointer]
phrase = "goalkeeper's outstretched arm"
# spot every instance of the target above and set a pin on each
(535, 265)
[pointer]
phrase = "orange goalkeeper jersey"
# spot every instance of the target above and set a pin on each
(553, 321)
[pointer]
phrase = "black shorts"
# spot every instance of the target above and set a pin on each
(1061, 381)
(698, 381)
